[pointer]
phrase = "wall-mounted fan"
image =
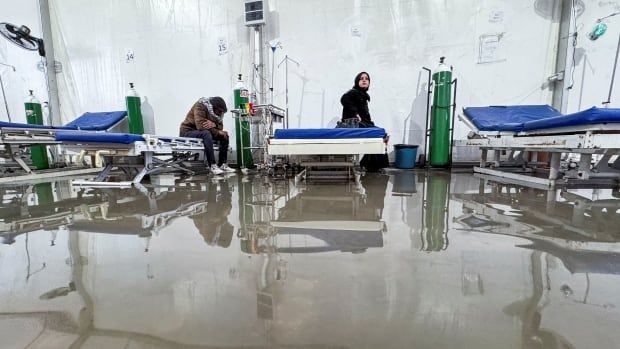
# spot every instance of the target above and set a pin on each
(21, 37)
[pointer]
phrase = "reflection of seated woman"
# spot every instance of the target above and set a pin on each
(213, 225)
(355, 112)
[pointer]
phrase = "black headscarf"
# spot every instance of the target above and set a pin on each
(357, 87)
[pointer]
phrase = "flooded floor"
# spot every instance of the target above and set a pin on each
(405, 260)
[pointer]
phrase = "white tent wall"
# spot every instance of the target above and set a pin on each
(394, 40)
(176, 57)
(26, 75)
(594, 60)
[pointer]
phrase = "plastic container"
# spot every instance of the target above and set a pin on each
(406, 155)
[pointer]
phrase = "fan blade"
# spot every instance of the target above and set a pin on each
(20, 36)
(26, 43)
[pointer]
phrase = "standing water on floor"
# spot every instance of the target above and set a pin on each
(409, 259)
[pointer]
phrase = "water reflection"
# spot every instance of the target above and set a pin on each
(580, 227)
(247, 261)
(57, 206)
(314, 218)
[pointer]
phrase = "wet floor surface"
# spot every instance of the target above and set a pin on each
(409, 259)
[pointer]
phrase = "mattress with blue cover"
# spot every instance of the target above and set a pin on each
(97, 137)
(536, 117)
(87, 122)
(329, 133)
(96, 121)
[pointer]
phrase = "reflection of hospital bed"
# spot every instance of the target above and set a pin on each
(105, 211)
(581, 232)
(525, 131)
(323, 151)
(325, 236)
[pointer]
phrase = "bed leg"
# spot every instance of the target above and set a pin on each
(483, 157)
(555, 166)
(496, 155)
(534, 159)
(148, 167)
(14, 152)
(104, 173)
(585, 161)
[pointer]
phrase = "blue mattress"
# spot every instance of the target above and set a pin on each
(536, 117)
(329, 133)
(86, 122)
(97, 137)
(590, 116)
(96, 121)
(508, 118)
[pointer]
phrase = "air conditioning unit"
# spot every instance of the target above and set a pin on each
(254, 13)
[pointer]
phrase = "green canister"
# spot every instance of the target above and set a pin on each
(134, 113)
(440, 116)
(242, 125)
(34, 116)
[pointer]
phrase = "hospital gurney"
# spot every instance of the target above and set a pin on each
(135, 155)
(15, 137)
(525, 131)
(321, 151)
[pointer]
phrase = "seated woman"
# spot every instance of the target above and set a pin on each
(355, 102)
(355, 112)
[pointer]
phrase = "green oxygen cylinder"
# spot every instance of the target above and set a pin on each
(34, 116)
(435, 227)
(440, 116)
(134, 113)
(45, 193)
(242, 125)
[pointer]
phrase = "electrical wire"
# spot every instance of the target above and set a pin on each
(572, 68)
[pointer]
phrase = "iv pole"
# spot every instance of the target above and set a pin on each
(599, 29)
(285, 61)
(613, 74)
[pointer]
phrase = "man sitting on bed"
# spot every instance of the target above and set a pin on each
(205, 120)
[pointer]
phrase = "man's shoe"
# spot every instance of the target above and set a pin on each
(227, 169)
(216, 170)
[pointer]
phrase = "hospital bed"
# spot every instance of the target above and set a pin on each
(135, 155)
(525, 131)
(15, 137)
(325, 152)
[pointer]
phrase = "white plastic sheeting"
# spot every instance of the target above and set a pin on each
(176, 57)
(590, 75)
(26, 74)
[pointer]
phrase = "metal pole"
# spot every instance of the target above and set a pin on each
(52, 85)
(285, 61)
(613, 74)
(453, 119)
(286, 88)
(6, 104)
(428, 104)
